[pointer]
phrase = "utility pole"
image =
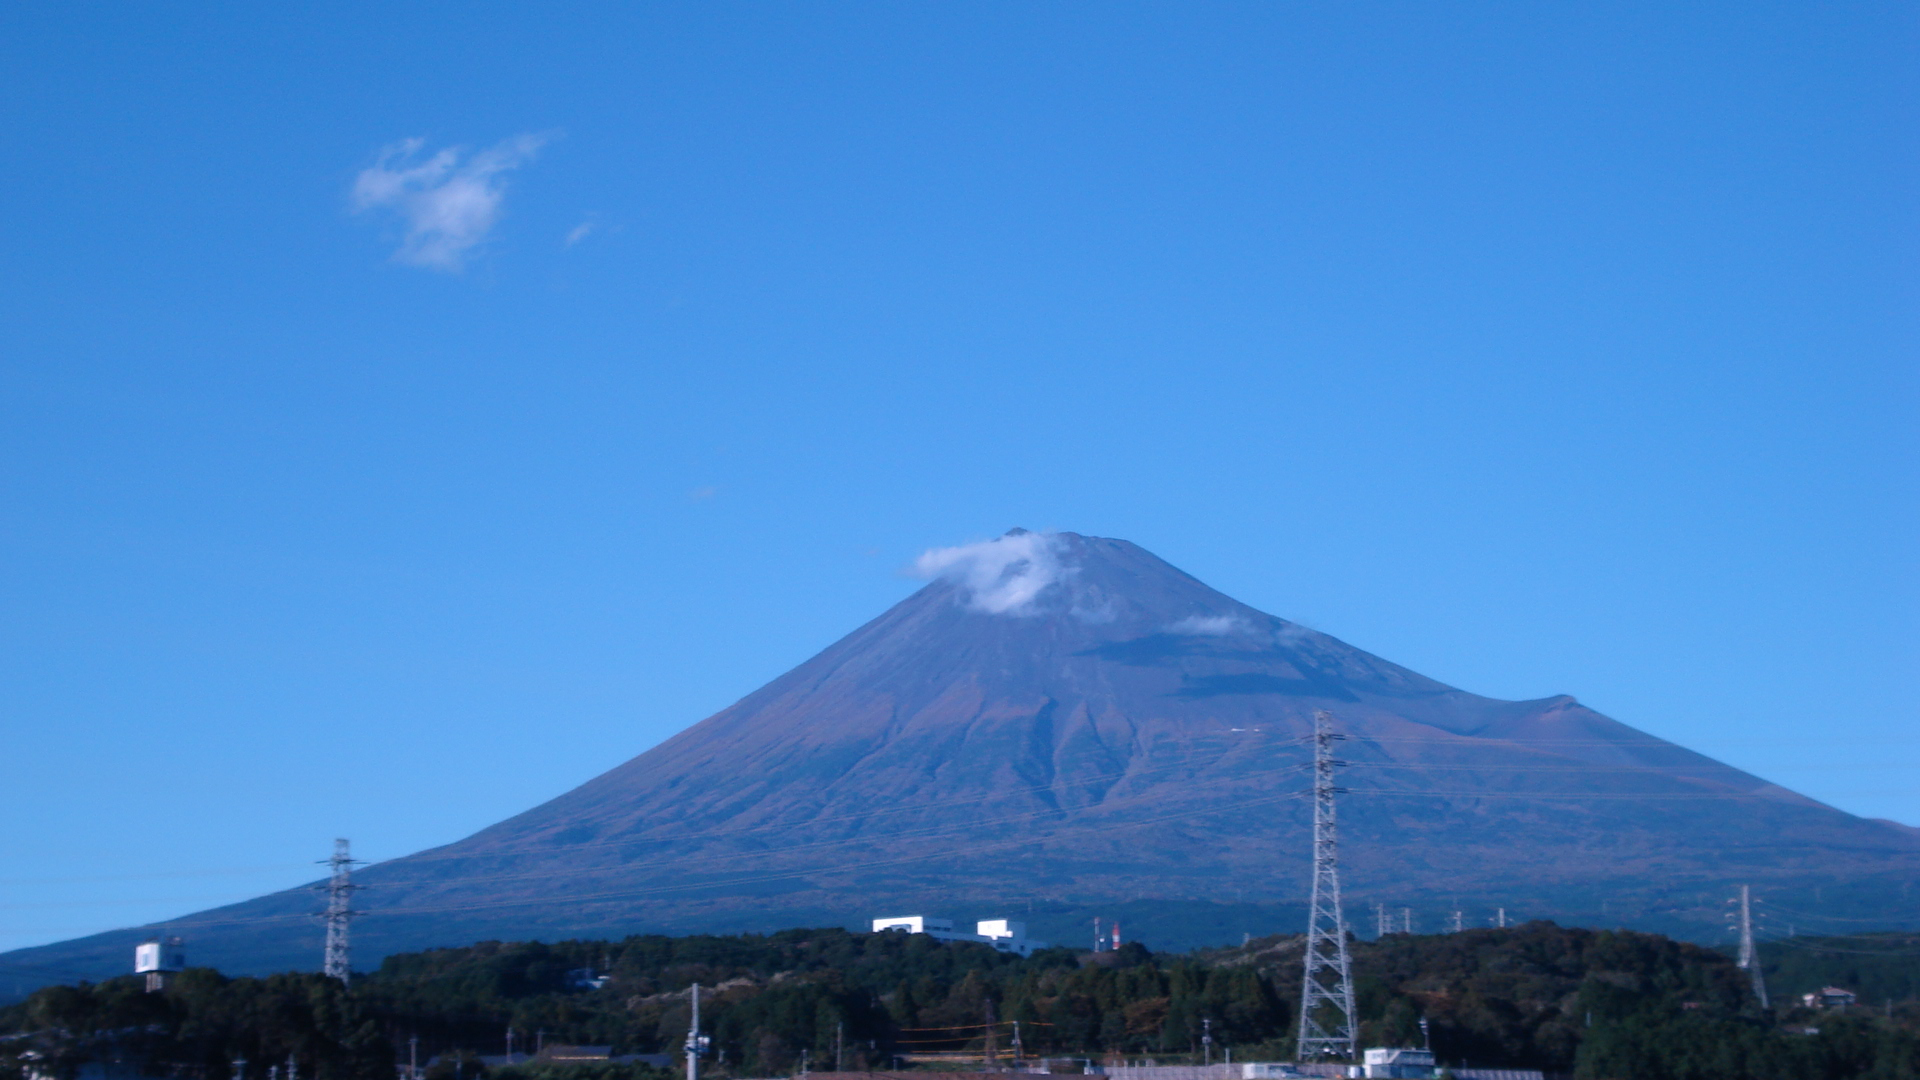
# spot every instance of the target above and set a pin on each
(1382, 926)
(1749, 957)
(413, 1057)
(1326, 951)
(1206, 1038)
(1406, 920)
(840, 1041)
(339, 887)
(1097, 942)
(1018, 1049)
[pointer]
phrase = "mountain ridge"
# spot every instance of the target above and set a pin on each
(1069, 723)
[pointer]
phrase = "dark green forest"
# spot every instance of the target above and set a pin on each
(1592, 1003)
(1882, 968)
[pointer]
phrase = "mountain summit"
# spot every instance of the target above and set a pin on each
(1058, 725)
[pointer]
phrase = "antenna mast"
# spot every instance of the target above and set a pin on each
(1326, 927)
(339, 887)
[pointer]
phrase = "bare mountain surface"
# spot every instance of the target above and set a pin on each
(1064, 725)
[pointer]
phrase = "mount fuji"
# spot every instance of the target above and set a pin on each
(1058, 726)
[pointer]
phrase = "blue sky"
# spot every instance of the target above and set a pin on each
(406, 415)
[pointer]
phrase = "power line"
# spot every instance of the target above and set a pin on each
(1771, 906)
(973, 826)
(811, 871)
(108, 879)
(1132, 773)
(968, 827)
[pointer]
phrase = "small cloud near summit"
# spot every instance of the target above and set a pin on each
(1210, 625)
(1003, 576)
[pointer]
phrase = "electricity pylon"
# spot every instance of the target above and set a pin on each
(1321, 997)
(697, 1043)
(1749, 957)
(337, 963)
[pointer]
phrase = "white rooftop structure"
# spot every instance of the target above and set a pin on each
(158, 958)
(914, 924)
(1400, 1064)
(159, 954)
(1003, 934)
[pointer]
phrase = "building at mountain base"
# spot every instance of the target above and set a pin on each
(1397, 1064)
(1005, 935)
(1829, 997)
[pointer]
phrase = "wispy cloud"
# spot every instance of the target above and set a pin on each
(581, 232)
(1001, 577)
(448, 201)
(1210, 625)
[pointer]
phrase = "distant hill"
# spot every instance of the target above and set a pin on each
(1059, 726)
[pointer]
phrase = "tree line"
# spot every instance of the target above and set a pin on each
(1598, 1004)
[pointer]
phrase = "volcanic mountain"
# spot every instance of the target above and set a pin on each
(1059, 726)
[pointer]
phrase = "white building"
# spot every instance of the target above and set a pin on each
(159, 954)
(1399, 1064)
(1003, 934)
(157, 958)
(916, 924)
(1829, 997)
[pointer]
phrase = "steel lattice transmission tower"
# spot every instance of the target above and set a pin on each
(1326, 999)
(1749, 958)
(339, 889)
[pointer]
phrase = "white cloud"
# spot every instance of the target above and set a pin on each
(1210, 625)
(580, 232)
(1001, 577)
(448, 202)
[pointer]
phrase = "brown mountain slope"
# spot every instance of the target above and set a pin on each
(1066, 723)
